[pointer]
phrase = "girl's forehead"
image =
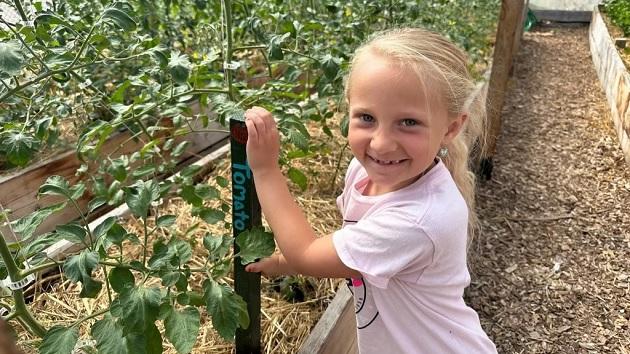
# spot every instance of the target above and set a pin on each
(378, 77)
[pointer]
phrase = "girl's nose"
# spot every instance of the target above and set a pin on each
(382, 142)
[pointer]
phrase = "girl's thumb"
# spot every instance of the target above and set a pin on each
(252, 268)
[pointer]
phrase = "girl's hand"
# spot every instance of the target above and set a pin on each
(271, 266)
(263, 142)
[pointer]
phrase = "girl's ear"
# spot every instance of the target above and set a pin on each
(454, 128)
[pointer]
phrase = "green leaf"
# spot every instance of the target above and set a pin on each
(120, 18)
(179, 67)
(121, 278)
(55, 185)
(207, 192)
(141, 306)
(183, 250)
(182, 328)
(254, 244)
(188, 194)
(59, 340)
(3, 270)
(297, 177)
(95, 203)
(72, 232)
(222, 181)
(78, 268)
(19, 147)
(228, 310)
(180, 148)
(166, 220)
(104, 227)
(109, 336)
(344, 126)
(330, 66)
(140, 195)
(275, 46)
(170, 278)
(218, 246)
(118, 168)
(27, 225)
(159, 54)
(148, 341)
(37, 244)
(116, 235)
(11, 59)
(211, 215)
(50, 18)
(162, 255)
(298, 139)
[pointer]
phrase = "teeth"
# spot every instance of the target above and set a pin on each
(383, 162)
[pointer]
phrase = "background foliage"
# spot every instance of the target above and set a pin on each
(619, 13)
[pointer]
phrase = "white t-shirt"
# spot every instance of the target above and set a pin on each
(410, 247)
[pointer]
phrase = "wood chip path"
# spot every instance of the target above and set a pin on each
(551, 268)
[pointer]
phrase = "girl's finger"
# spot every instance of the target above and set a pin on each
(266, 117)
(258, 121)
(251, 131)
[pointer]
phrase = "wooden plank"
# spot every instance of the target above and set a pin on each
(511, 11)
(614, 77)
(519, 34)
(18, 191)
(61, 249)
(336, 331)
(563, 16)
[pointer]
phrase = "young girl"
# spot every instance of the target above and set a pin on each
(408, 200)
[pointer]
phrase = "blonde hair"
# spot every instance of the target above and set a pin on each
(438, 61)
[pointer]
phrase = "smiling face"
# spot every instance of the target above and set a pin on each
(394, 132)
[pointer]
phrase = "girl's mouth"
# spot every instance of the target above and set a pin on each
(386, 162)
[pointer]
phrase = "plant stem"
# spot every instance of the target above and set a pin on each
(146, 240)
(85, 222)
(227, 12)
(9, 262)
(23, 313)
(20, 9)
(334, 179)
(109, 290)
(95, 314)
(18, 295)
(38, 268)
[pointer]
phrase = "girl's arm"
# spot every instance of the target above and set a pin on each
(304, 251)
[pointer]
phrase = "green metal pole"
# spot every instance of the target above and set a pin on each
(245, 215)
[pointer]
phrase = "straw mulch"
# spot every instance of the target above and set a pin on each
(285, 324)
(551, 269)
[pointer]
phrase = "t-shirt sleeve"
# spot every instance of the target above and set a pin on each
(384, 245)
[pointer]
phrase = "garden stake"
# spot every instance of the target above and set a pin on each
(245, 216)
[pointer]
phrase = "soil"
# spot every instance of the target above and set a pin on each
(551, 269)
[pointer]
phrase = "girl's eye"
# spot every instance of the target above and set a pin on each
(409, 122)
(366, 118)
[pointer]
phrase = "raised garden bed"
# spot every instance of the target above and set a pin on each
(614, 77)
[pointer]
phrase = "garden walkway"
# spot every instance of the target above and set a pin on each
(551, 268)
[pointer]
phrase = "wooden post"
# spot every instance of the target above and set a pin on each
(504, 49)
(245, 215)
(519, 34)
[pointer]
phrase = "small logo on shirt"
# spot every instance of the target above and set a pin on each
(364, 306)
